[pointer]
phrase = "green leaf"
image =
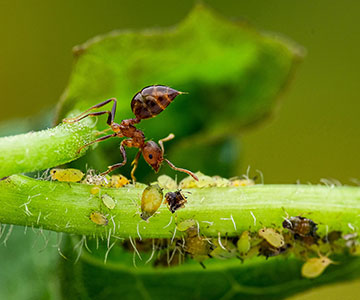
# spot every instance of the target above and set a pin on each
(233, 75)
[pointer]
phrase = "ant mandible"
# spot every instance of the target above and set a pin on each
(147, 103)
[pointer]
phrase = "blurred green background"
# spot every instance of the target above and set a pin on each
(312, 135)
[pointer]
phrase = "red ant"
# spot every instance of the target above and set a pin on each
(147, 103)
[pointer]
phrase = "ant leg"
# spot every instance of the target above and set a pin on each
(113, 167)
(134, 163)
(103, 138)
(101, 132)
(182, 170)
(168, 138)
(85, 113)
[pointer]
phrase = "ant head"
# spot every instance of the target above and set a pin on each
(153, 155)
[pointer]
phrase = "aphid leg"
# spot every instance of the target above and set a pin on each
(134, 163)
(168, 138)
(86, 114)
(103, 138)
(182, 170)
(113, 167)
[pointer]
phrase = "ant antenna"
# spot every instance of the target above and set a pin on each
(168, 138)
(182, 170)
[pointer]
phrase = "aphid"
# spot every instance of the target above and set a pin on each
(313, 267)
(185, 225)
(300, 226)
(66, 175)
(94, 179)
(175, 200)
(274, 238)
(244, 243)
(95, 190)
(108, 201)
(98, 218)
(267, 250)
(221, 182)
(242, 182)
(198, 247)
(118, 181)
(151, 200)
(202, 181)
(224, 251)
(166, 182)
(147, 103)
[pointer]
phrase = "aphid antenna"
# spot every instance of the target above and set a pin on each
(171, 218)
(173, 237)
(108, 238)
(208, 222)
(172, 255)
(219, 241)
(152, 252)
(134, 246)
(2, 230)
(138, 231)
(326, 233)
(198, 227)
(134, 260)
(252, 214)
(112, 220)
(79, 247)
(108, 251)
(261, 176)
(351, 226)
(7, 236)
(46, 239)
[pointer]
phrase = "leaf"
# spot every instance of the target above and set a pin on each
(232, 73)
(258, 278)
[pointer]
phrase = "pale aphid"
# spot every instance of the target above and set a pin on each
(99, 180)
(95, 190)
(66, 175)
(186, 224)
(274, 238)
(151, 200)
(98, 218)
(204, 181)
(166, 182)
(242, 182)
(314, 267)
(244, 243)
(118, 181)
(221, 182)
(108, 201)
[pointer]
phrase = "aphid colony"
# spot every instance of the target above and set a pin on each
(267, 242)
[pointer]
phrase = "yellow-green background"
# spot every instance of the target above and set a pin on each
(315, 131)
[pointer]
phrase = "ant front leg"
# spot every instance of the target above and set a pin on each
(111, 114)
(134, 163)
(119, 165)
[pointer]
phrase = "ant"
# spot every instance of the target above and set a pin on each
(147, 103)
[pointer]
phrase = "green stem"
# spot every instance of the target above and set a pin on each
(66, 207)
(44, 149)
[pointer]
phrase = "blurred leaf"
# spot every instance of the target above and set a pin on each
(232, 73)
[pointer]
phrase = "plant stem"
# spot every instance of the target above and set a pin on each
(66, 207)
(44, 149)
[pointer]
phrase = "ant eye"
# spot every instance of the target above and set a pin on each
(150, 156)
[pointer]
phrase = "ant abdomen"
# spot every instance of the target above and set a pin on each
(152, 100)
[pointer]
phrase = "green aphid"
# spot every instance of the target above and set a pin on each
(225, 249)
(185, 225)
(244, 243)
(108, 201)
